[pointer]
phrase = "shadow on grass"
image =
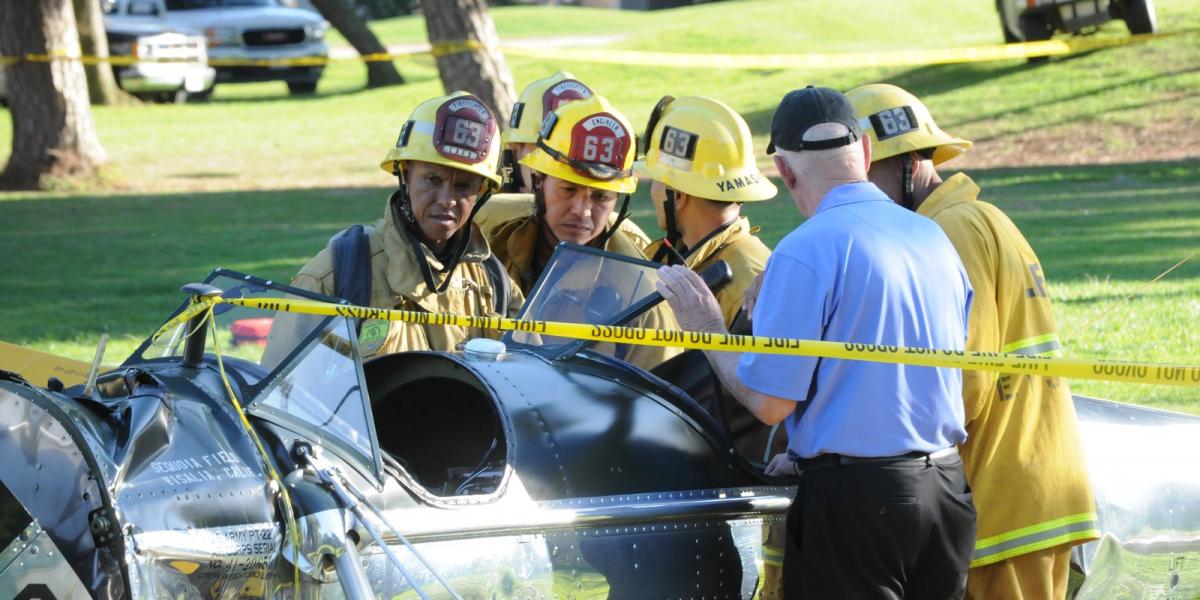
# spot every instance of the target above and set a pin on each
(83, 264)
(938, 79)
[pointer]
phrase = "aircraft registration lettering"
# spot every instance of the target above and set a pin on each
(215, 466)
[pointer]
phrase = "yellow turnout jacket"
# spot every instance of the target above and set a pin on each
(510, 223)
(1023, 456)
(737, 245)
(397, 283)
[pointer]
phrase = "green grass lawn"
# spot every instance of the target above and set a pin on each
(257, 181)
(76, 266)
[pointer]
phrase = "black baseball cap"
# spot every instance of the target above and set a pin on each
(800, 110)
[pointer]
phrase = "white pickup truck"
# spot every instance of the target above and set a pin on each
(168, 65)
(238, 33)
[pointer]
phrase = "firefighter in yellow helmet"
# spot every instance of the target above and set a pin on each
(580, 168)
(700, 157)
(1023, 456)
(425, 255)
(537, 99)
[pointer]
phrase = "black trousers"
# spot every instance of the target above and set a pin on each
(901, 530)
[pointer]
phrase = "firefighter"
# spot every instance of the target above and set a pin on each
(580, 168)
(700, 156)
(537, 99)
(1023, 455)
(425, 255)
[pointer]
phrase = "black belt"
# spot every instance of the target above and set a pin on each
(823, 461)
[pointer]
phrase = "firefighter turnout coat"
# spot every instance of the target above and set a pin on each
(737, 245)
(1023, 456)
(510, 223)
(397, 283)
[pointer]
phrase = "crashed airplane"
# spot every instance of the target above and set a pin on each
(220, 461)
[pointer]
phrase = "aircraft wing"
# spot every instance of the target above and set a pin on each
(37, 366)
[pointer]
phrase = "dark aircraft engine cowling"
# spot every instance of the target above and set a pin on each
(576, 428)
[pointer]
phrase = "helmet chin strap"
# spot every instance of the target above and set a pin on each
(621, 216)
(512, 170)
(906, 182)
(673, 234)
(455, 248)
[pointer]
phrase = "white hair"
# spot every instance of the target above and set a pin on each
(841, 163)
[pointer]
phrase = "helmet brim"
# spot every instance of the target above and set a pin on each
(541, 162)
(739, 185)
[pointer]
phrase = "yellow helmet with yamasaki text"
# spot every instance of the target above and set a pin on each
(537, 99)
(702, 148)
(457, 131)
(588, 142)
(898, 123)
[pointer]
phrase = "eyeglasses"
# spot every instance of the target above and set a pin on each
(655, 115)
(595, 170)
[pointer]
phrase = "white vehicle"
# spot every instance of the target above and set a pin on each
(1035, 20)
(175, 64)
(239, 32)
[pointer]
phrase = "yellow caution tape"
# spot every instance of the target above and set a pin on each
(855, 60)
(852, 60)
(1108, 370)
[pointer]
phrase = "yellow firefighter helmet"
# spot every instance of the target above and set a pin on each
(457, 131)
(702, 147)
(588, 142)
(898, 123)
(537, 99)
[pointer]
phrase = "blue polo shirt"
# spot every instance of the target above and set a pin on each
(863, 270)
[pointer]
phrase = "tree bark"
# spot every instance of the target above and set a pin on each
(53, 131)
(341, 15)
(102, 85)
(479, 69)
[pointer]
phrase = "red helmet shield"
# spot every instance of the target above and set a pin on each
(464, 130)
(600, 138)
(562, 93)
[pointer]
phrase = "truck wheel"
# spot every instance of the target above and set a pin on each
(1034, 28)
(1009, 36)
(202, 95)
(1140, 17)
(302, 88)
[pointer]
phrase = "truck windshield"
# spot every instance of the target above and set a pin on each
(200, 4)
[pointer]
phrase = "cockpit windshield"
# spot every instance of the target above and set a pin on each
(584, 285)
(300, 371)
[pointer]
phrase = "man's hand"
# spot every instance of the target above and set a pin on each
(750, 298)
(781, 465)
(695, 307)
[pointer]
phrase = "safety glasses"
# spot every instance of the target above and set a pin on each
(594, 170)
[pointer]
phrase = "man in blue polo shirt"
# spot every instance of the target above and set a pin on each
(883, 509)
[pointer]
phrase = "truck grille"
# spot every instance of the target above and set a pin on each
(273, 37)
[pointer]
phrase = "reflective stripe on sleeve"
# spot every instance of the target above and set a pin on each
(1074, 528)
(1047, 344)
(773, 555)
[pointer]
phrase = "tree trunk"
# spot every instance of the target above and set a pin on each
(102, 86)
(53, 131)
(341, 15)
(478, 68)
